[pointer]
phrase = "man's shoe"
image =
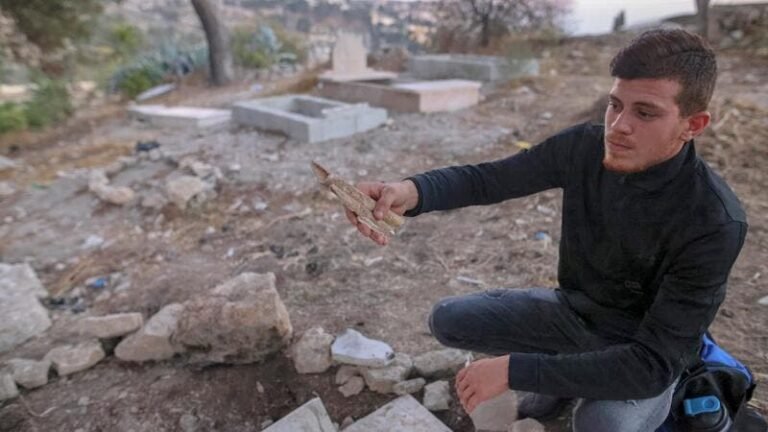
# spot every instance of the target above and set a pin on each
(541, 407)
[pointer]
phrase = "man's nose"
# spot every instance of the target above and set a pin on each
(622, 124)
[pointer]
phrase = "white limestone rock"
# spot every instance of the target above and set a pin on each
(409, 387)
(23, 317)
(8, 389)
(351, 347)
(312, 352)
(441, 363)
(29, 373)
(70, 359)
(437, 396)
(382, 380)
(497, 414)
(111, 326)
(153, 341)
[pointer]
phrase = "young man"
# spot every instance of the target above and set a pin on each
(649, 236)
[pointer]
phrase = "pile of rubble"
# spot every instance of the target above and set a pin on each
(242, 321)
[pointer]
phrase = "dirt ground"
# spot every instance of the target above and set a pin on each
(270, 216)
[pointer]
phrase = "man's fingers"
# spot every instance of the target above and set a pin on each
(383, 204)
(351, 217)
(472, 403)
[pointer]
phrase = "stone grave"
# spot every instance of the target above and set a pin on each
(460, 66)
(180, 117)
(349, 62)
(308, 118)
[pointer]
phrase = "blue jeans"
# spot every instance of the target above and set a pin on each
(535, 320)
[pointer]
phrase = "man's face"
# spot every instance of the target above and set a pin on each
(643, 126)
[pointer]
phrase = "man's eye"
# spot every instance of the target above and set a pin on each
(645, 115)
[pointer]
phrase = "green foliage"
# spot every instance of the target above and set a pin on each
(12, 117)
(49, 24)
(50, 104)
(125, 39)
(263, 45)
(132, 81)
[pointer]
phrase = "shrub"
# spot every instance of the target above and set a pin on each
(12, 117)
(50, 103)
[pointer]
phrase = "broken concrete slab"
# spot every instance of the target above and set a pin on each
(188, 191)
(440, 363)
(349, 61)
(23, 315)
(382, 380)
(353, 386)
(180, 117)
(241, 321)
(98, 183)
(420, 96)
(402, 414)
(483, 68)
(29, 373)
(307, 118)
(70, 359)
(351, 347)
(437, 396)
(497, 414)
(7, 164)
(110, 326)
(310, 417)
(152, 342)
(312, 352)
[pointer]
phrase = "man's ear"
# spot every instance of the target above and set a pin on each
(696, 125)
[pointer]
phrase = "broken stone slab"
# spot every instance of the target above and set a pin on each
(312, 352)
(409, 387)
(23, 315)
(497, 414)
(441, 363)
(153, 341)
(188, 191)
(351, 347)
(763, 301)
(29, 373)
(527, 425)
(353, 386)
(180, 117)
(310, 417)
(437, 396)
(98, 183)
(402, 414)
(111, 326)
(8, 389)
(382, 380)
(241, 321)
(70, 359)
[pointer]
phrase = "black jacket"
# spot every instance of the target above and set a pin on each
(644, 257)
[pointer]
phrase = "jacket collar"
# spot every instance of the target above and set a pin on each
(660, 175)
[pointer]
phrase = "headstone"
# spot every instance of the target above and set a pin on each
(310, 417)
(349, 54)
(402, 414)
(22, 314)
(152, 342)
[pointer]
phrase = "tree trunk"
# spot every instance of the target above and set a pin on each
(702, 6)
(485, 31)
(219, 53)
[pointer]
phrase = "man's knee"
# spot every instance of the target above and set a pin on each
(612, 416)
(443, 321)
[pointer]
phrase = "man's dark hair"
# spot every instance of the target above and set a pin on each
(672, 54)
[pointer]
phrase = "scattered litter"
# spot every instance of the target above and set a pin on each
(469, 280)
(146, 146)
(542, 236)
(97, 283)
(525, 145)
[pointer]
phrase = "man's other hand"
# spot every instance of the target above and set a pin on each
(482, 380)
(398, 197)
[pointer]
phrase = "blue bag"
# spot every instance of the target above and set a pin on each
(712, 395)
